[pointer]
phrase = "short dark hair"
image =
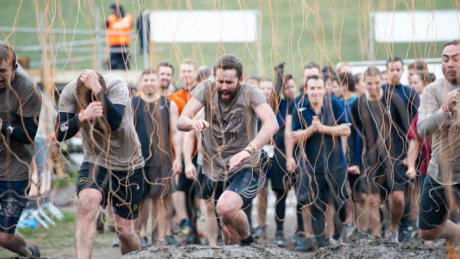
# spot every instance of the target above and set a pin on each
(358, 77)
(118, 8)
(349, 80)
(287, 78)
(454, 42)
(310, 66)
(228, 62)
(394, 60)
(165, 64)
(418, 65)
(148, 71)
(313, 77)
(371, 71)
(7, 54)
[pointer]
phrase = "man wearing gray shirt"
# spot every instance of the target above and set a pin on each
(438, 116)
(231, 143)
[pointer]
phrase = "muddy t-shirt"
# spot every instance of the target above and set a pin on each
(23, 99)
(232, 126)
(124, 152)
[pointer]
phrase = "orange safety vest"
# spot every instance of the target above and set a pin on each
(119, 29)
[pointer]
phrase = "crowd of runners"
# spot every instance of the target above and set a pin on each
(364, 154)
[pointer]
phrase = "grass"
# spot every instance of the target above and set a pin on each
(295, 31)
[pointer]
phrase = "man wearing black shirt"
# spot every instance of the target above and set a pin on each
(409, 96)
(381, 127)
(320, 124)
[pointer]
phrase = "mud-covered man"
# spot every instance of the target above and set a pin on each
(20, 104)
(231, 142)
(111, 172)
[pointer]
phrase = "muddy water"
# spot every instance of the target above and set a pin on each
(205, 252)
(373, 249)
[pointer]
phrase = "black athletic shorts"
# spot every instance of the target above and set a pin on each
(281, 179)
(158, 182)
(13, 196)
(123, 188)
(184, 184)
(386, 179)
(246, 183)
(201, 185)
(433, 203)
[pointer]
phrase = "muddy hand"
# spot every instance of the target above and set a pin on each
(237, 159)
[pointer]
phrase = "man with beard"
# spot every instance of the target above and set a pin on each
(438, 117)
(155, 120)
(166, 74)
(20, 104)
(231, 143)
(111, 172)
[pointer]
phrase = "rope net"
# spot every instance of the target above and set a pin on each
(55, 41)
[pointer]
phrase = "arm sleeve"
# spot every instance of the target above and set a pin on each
(256, 97)
(200, 91)
(431, 117)
(67, 126)
(115, 113)
(22, 133)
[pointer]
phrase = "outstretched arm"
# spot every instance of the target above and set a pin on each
(186, 121)
(269, 128)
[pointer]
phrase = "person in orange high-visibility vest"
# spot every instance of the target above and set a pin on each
(118, 37)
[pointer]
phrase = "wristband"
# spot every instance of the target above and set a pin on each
(82, 112)
(253, 146)
(444, 109)
(249, 151)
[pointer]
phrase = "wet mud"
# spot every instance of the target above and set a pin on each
(205, 252)
(382, 249)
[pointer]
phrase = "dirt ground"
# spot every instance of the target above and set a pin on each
(58, 242)
(381, 249)
(227, 252)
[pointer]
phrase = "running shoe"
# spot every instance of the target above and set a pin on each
(185, 227)
(260, 232)
(279, 239)
(145, 242)
(34, 250)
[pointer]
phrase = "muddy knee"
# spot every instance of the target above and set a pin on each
(88, 203)
(5, 239)
(430, 234)
(125, 229)
(229, 204)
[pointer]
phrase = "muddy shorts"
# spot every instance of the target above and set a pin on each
(246, 183)
(158, 182)
(386, 179)
(13, 196)
(122, 188)
(434, 203)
